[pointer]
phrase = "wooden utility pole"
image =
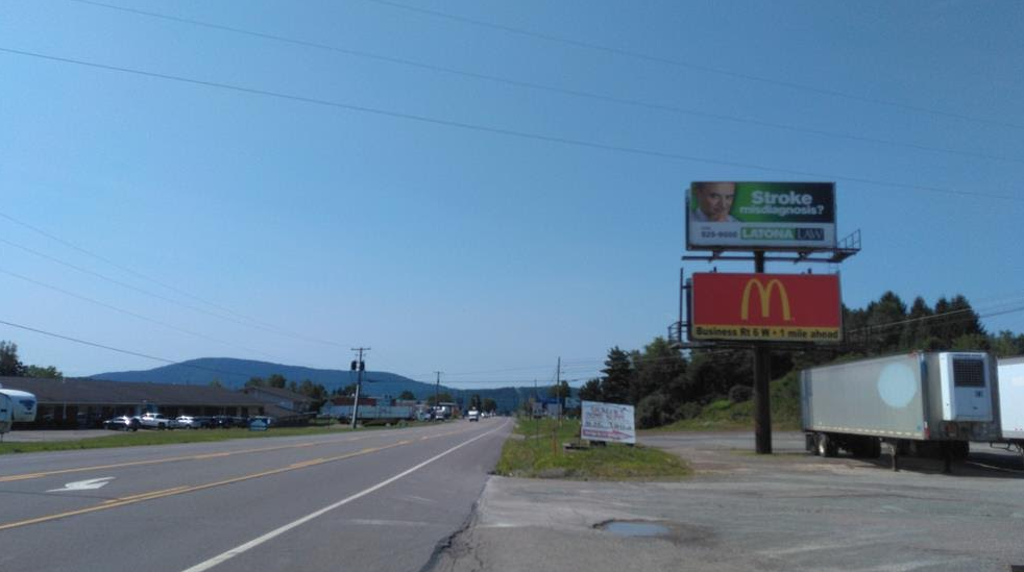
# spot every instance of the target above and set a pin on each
(358, 366)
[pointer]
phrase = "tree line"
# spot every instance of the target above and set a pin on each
(666, 385)
(11, 366)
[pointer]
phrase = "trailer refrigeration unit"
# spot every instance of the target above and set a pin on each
(918, 403)
(1011, 402)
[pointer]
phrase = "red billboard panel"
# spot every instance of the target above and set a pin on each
(766, 307)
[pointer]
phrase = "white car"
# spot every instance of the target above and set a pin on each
(156, 421)
(187, 422)
(473, 415)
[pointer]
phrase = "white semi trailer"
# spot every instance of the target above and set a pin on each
(917, 402)
(1011, 402)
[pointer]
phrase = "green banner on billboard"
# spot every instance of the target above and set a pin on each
(731, 215)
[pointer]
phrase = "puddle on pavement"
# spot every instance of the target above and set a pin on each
(635, 529)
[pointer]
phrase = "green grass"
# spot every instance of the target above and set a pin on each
(143, 438)
(535, 450)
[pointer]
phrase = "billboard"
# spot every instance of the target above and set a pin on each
(607, 422)
(766, 307)
(728, 215)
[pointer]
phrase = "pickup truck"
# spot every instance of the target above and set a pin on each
(156, 421)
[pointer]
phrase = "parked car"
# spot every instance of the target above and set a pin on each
(156, 421)
(189, 422)
(122, 423)
(224, 421)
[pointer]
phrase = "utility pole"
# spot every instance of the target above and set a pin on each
(558, 390)
(358, 366)
(437, 392)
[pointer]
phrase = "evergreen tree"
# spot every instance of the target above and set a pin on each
(618, 377)
(886, 320)
(591, 391)
(277, 380)
(661, 370)
(916, 332)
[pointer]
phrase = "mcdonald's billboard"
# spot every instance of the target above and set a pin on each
(766, 307)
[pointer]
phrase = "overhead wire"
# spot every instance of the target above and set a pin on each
(511, 132)
(135, 315)
(690, 65)
(543, 87)
(240, 320)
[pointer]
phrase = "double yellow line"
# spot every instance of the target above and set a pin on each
(153, 495)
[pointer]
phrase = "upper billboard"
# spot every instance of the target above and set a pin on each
(727, 215)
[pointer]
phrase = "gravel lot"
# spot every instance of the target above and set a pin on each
(787, 511)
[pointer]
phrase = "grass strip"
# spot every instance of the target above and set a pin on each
(536, 450)
(178, 436)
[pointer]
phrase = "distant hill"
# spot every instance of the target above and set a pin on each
(233, 373)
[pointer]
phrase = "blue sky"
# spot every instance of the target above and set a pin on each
(476, 187)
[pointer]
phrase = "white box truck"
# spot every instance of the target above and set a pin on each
(918, 402)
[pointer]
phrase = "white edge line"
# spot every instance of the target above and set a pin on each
(279, 531)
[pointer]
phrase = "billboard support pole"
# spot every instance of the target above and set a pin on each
(762, 378)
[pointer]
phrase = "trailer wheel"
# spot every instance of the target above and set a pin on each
(826, 446)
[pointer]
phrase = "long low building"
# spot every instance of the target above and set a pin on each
(82, 402)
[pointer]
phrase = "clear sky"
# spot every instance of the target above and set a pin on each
(476, 187)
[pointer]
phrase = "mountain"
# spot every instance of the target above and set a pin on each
(233, 373)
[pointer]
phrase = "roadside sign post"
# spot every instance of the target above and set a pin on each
(762, 381)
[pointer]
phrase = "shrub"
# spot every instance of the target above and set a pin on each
(650, 412)
(740, 393)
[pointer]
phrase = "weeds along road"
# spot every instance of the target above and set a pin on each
(373, 500)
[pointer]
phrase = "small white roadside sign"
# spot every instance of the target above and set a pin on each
(612, 422)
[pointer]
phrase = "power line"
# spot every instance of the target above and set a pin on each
(245, 321)
(691, 65)
(512, 132)
(118, 350)
(131, 313)
(544, 87)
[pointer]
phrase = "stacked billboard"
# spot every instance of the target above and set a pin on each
(766, 307)
(727, 215)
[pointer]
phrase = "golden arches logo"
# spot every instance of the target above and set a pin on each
(765, 297)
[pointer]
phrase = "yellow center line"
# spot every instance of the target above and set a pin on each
(145, 495)
(153, 495)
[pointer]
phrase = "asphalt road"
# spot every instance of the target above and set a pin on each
(740, 512)
(373, 500)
